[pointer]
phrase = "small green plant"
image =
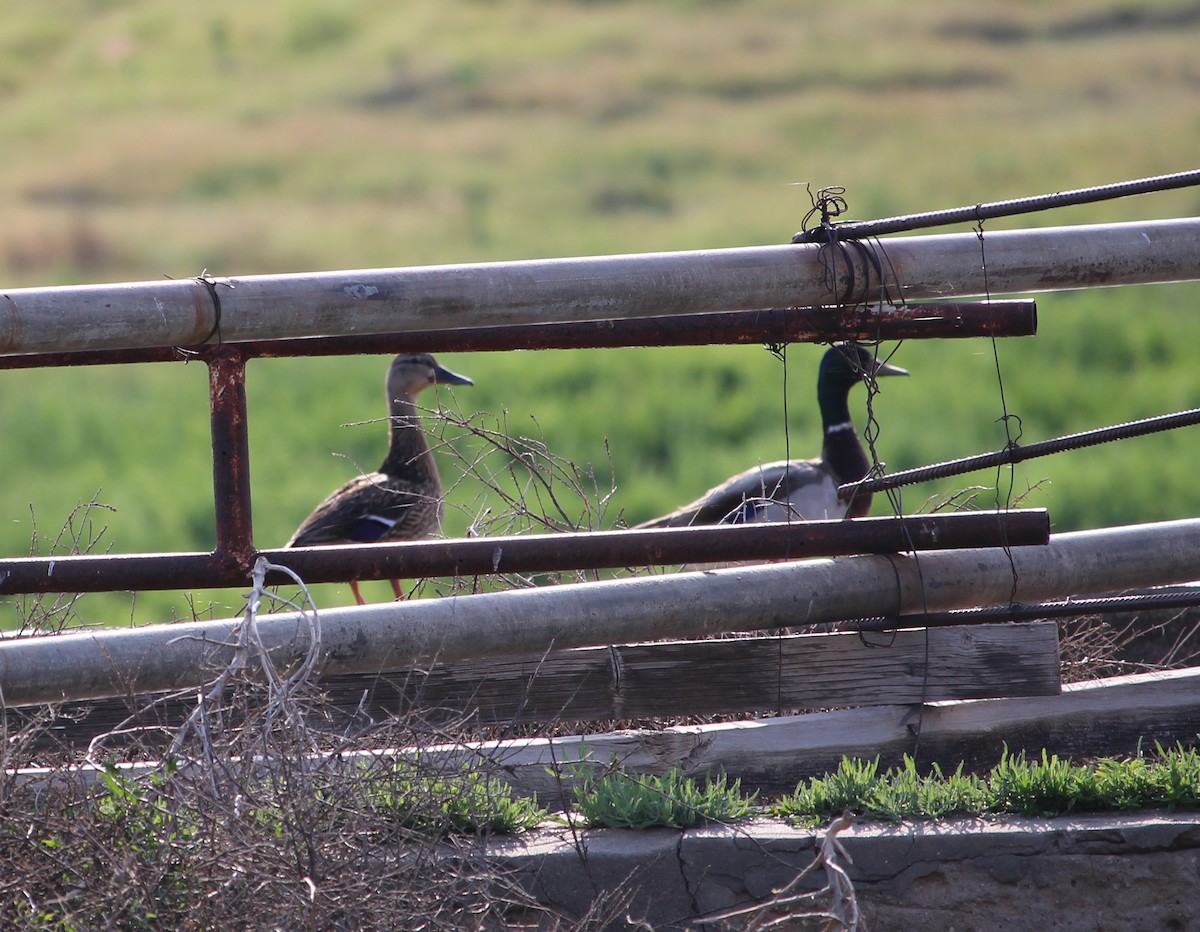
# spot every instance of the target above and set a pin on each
(900, 793)
(1051, 786)
(1047, 786)
(1176, 779)
(1121, 784)
(466, 802)
(139, 842)
(620, 800)
(823, 797)
(142, 811)
(904, 793)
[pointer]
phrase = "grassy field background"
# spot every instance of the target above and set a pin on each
(149, 139)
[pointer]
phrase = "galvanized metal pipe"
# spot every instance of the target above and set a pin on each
(528, 622)
(344, 303)
(532, 553)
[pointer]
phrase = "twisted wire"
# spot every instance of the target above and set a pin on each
(1005, 415)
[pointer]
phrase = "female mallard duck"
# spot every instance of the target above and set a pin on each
(800, 489)
(403, 500)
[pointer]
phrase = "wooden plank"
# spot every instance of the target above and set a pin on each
(1106, 717)
(734, 675)
(677, 679)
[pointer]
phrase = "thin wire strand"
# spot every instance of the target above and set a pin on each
(787, 455)
(1005, 417)
(872, 432)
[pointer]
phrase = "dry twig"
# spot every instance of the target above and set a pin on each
(786, 906)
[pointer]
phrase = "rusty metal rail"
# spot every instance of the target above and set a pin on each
(940, 320)
(230, 562)
(528, 553)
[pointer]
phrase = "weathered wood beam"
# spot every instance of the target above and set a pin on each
(673, 679)
(1099, 718)
(739, 675)
(190, 312)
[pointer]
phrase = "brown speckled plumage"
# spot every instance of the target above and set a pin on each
(402, 500)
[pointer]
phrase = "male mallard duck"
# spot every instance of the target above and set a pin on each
(799, 489)
(403, 500)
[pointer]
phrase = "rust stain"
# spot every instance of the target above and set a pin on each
(777, 325)
(231, 455)
(229, 564)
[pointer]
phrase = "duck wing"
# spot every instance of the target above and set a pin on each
(786, 490)
(373, 507)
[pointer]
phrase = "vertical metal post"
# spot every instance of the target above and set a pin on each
(231, 456)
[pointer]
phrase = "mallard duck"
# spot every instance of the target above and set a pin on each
(403, 499)
(791, 490)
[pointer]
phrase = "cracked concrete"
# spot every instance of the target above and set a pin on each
(1069, 875)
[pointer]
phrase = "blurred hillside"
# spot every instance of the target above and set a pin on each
(149, 139)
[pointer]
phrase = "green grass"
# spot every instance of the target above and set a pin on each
(151, 139)
(147, 852)
(670, 800)
(467, 802)
(1047, 786)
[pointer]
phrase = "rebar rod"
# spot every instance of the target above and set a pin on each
(1016, 453)
(1017, 611)
(1010, 208)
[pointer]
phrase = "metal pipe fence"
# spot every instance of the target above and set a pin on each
(190, 313)
(770, 294)
(230, 562)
